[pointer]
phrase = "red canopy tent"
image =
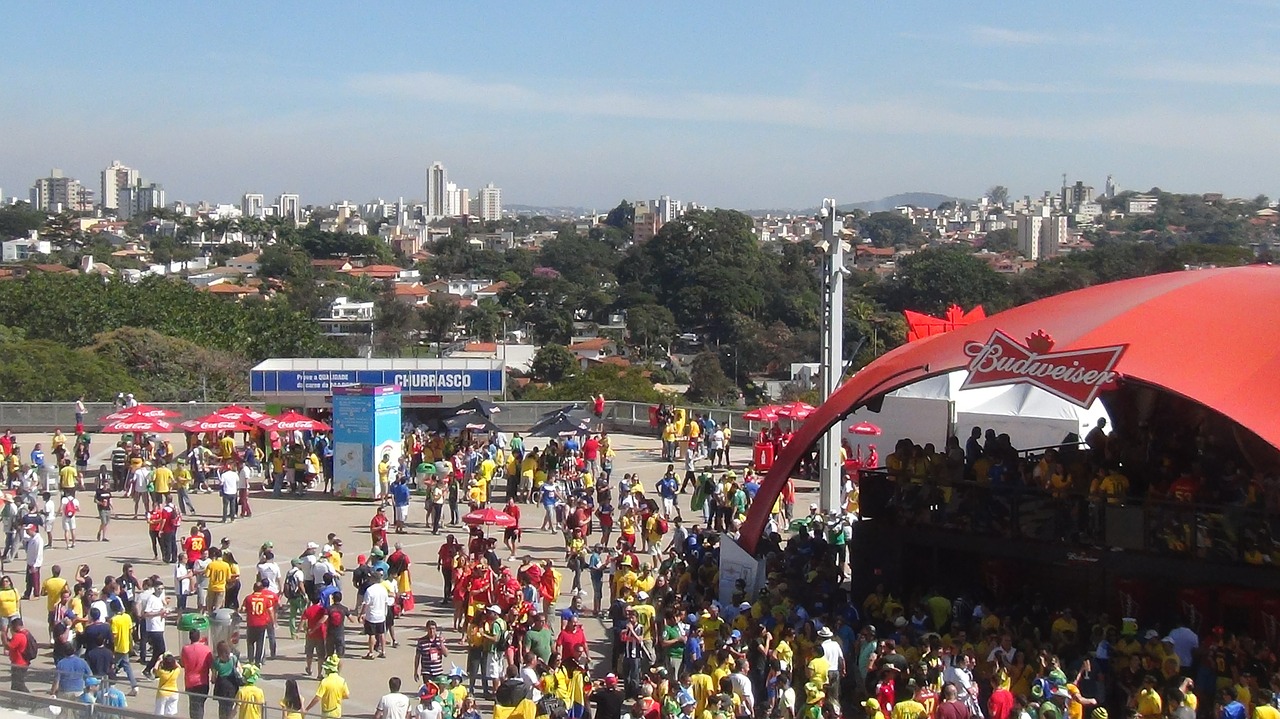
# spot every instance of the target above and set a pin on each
(235, 411)
(291, 421)
(767, 413)
(141, 410)
(215, 423)
(920, 325)
(795, 410)
(1197, 334)
(139, 424)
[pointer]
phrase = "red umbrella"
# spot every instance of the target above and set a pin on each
(290, 421)
(215, 423)
(141, 410)
(489, 517)
(865, 428)
(235, 411)
(795, 410)
(767, 413)
(138, 425)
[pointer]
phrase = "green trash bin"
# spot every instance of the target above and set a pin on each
(190, 621)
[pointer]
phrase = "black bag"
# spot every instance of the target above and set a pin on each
(553, 707)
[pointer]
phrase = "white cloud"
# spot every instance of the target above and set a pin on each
(1037, 88)
(993, 35)
(1264, 72)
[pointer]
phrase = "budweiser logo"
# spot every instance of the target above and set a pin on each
(1076, 375)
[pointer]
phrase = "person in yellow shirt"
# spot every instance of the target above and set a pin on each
(68, 477)
(162, 482)
(9, 606)
(167, 673)
(53, 587)
(227, 446)
(250, 698)
(1265, 708)
(216, 575)
(332, 690)
(1147, 701)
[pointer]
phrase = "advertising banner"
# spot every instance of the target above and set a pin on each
(366, 432)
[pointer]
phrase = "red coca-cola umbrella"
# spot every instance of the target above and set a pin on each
(141, 410)
(139, 425)
(235, 411)
(795, 410)
(865, 428)
(216, 423)
(292, 421)
(489, 518)
(767, 413)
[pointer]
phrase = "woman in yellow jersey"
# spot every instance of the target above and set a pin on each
(8, 602)
(291, 705)
(167, 673)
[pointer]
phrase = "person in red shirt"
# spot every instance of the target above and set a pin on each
(18, 664)
(194, 545)
(444, 562)
(171, 519)
(155, 523)
(511, 535)
(1000, 704)
(197, 660)
(571, 643)
(378, 529)
(260, 612)
(315, 619)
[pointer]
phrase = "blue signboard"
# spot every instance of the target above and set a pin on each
(427, 381)
(366, 428)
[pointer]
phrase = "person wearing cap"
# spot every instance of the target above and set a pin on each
(496, 637)
(250, 698)
(331, 691)
(608, 697)
(833, 653)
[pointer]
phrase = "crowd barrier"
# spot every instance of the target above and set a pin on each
(626, 417)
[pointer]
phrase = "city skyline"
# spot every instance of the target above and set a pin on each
(737, 105)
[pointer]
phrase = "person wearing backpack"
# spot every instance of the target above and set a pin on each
(23, 650)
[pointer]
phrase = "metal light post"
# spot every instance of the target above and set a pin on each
(833, 273)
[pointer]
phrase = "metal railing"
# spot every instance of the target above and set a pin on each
(628, 417)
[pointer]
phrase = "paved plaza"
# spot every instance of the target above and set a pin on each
(290, 523)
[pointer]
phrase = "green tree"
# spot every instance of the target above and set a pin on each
(932, 279)
(704, 267)
(998, 194)
(48, 371)
(169, 369)
(396, 324)
(1005, 240)
(889, 229)
(623, 384)
(553, 363)
(707, 381)
(649, 325)
(439, 319)
(19, 220)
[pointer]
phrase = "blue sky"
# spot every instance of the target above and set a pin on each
(735, 104)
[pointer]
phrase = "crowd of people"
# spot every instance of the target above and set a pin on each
(807, 643)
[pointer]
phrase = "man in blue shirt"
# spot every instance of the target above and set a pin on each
(1231, 707)
(400, 500)
(69, 677)
(668, 488)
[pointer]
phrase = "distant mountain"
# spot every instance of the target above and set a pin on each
(552, 211)
(918, 199)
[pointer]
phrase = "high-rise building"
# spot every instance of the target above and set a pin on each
(253, 204)
(1112, 189)
(490, 203)
(115, 178)
(1041, 233)
(289, 206)
(137, 201)
(56, 193)
(437, 190)
(668, 209)
(457, 200)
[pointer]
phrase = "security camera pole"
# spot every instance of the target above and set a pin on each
(832, 350)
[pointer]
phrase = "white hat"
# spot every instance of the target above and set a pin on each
(825, 632)
(813, 506)
(642, 595)
(312, 545)
(494, 608)
(744, 606)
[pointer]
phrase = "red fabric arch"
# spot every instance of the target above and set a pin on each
(1209, 335)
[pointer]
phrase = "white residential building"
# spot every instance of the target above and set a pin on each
(1142, 205)
(253, 204)
(57, 193)
(137, 201)
(115, 178)
(348, 318)
(490, 203)
(1041, 233)
(22, 249)
(289, 206)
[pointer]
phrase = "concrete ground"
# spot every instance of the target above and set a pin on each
(290, 524)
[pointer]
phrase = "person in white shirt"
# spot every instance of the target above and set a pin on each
(392, 705)
(138, 487)
(834, 654)
(269, 571)
(70, 509)
(35, 560)
(373, 610)
(230, 482)
(529, 675)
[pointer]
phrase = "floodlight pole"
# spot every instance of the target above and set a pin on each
(831, 472)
